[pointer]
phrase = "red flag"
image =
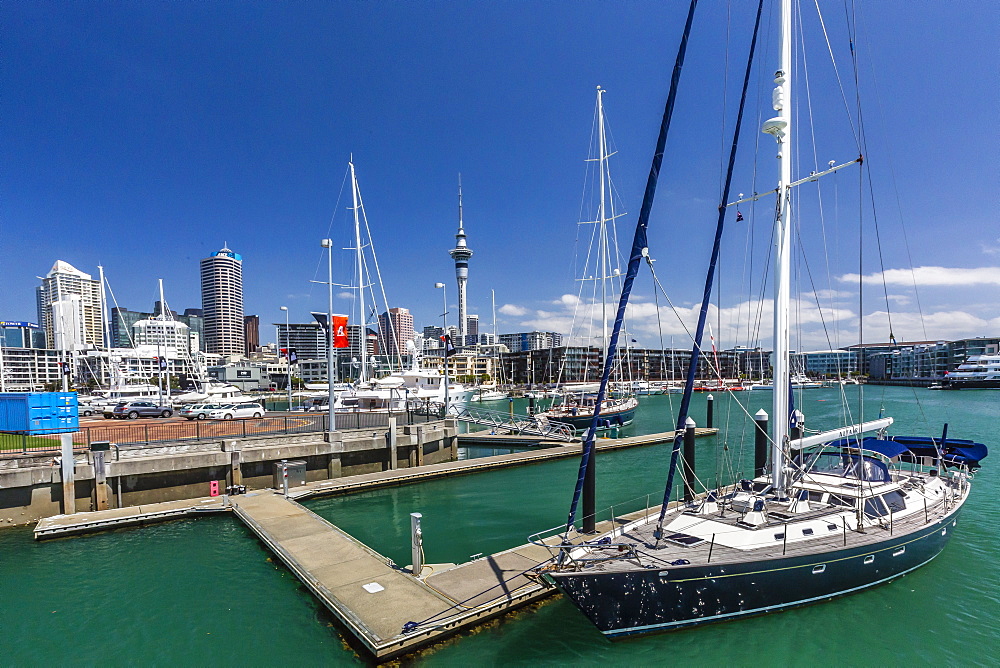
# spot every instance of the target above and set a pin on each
(340, 331)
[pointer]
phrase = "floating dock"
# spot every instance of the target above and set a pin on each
(103, 520)
(389, 610)
(386, 608)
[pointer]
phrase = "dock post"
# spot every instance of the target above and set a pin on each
(235, 459)
(418, 459)
(68, 474)
(100, 480)
(391, 443)
(416, 544)
(710, 411)
(284, 477)
(531, 404)
(689, 471)
(760, 443)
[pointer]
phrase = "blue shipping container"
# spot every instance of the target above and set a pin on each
(39, 412)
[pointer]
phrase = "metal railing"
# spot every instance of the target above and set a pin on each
(157, 431)
(511, 423)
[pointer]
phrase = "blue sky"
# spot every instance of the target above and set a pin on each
(142, 136)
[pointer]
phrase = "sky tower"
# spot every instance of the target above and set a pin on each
(461, 254)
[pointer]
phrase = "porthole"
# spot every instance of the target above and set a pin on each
(944, 531)
(819, 569)
(899, 552)
(807, 532)
(870, 559)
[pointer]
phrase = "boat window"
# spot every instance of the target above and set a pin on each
(807, 532)
(837, 500)
(895, 501)
(815, 496)
(685, 539)
(849, 466)
(870, 559)
(779, 536)
(831, 527)
(875, 508)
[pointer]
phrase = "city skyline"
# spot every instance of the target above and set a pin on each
(143, 158)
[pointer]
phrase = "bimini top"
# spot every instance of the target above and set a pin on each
(955, 450)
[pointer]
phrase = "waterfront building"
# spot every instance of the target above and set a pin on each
(308, 339)
(222, 302)
(244, 375)
(827, 363)
(461, 254)
(172, 337)
(464, 363)
(395, 329)
(69, 308)
(27, 369)
(251, 334)
(471, 330)
(521, 341)
(20, 334)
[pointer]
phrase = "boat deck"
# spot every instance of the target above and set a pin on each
(664, 552)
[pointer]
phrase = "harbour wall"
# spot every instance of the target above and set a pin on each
(31, 486)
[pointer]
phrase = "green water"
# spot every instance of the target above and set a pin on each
(200, 591)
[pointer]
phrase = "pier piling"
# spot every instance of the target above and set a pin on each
(689, 470)
(760, 443)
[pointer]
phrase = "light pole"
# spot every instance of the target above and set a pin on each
(328, 244)
(288, 355)
(444, 318)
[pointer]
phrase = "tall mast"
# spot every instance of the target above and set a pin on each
(363, 338)
(781, 128)
(602, 219)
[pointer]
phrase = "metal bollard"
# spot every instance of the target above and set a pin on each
(416, 544)
(284, 476)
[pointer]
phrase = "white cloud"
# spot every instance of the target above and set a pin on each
(931, 276)
(513, 309)
(992, 248)
(345, 295)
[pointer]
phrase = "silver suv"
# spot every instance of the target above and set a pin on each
(137, 409)
(197, 411)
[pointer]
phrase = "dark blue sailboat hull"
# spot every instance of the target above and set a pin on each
(628, 603)
(609, 420)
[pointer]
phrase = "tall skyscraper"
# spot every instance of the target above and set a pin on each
(222, 302)
(471, 330)
(251, 334)
(396, 328)
(461, 254)
(69, 308)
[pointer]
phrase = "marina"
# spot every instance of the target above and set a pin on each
(734, 406)
(158, 556)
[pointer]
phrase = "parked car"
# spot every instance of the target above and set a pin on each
(230, 411)
(137, 409)
(198, 411)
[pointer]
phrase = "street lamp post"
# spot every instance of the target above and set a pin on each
(444, 319)
(328, 244)
(288, 355)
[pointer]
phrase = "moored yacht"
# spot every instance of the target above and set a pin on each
(978, 372)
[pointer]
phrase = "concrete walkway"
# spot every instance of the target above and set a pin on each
(416, 474)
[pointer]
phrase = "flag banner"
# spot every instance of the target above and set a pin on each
(293, 356)
(340, 331)
(449, 347)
